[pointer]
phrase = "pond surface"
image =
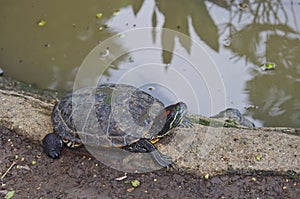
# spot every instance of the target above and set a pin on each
(210, 56)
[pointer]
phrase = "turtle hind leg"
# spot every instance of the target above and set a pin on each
(145, 146)
(161, 159)
(52, 145)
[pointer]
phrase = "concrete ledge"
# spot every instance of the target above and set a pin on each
(205, 150)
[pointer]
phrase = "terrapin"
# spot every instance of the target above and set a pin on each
(113, 115)
(234, 115)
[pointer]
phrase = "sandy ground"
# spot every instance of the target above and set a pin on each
(27, 171)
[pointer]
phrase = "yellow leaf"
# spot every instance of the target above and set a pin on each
(41, 23)
(99, 15)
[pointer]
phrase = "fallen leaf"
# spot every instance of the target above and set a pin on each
(99, 15)
(135, 183)
(9, 194)
(41, 23)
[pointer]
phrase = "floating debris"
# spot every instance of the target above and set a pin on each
(268, 66)
(113, 67)
(131, 60)
(227, 42)
(99, 15)
(251, 106)
(151, 88)
(41, 23)
(243, 6)
(121, 35)
(104, 53)
(1, 71)
(105, 26)
(167, 65)
(116, 12)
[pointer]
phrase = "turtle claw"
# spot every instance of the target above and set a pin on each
(52, 145)
(53, 154)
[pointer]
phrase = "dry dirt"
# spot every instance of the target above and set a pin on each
(27, 171)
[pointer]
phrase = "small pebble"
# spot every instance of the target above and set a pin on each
(284, 187)
(130, 189)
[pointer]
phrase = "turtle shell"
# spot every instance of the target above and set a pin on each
(109, 115)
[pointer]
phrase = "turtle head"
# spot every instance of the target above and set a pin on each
(174, 115)
(52, 145)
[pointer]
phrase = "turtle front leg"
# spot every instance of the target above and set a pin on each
(186, 123)
(145, 146)
(52, 145)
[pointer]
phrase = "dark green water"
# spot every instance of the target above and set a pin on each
(218, 67)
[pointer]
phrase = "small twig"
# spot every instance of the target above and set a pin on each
(11, 166)
(122, 177)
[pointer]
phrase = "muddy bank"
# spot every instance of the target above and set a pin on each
(208, 150)
(34, 175)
